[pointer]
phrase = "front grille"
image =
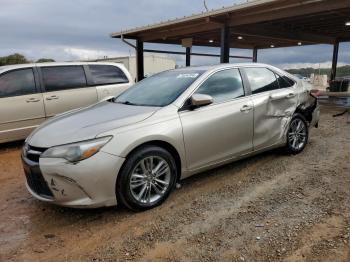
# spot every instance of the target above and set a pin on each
(34, 153)
(36, 181)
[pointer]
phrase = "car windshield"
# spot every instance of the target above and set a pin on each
(159, 90)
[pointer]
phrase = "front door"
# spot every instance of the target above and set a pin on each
(21, 104)
(222, 130)
(66, 89)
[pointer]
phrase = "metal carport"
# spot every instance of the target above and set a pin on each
(252, 25)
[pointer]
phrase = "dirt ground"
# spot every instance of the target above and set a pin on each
(271, 207)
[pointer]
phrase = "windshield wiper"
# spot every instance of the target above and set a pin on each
(133, 104)
(126, 103)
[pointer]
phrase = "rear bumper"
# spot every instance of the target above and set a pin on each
(315, 115)
(86, 184)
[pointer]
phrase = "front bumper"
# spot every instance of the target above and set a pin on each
(87, 184)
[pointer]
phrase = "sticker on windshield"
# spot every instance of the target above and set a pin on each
(187, 75)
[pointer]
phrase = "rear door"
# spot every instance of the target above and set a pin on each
(66, 88)
(109, 80)
(273, 106)
(21, 104)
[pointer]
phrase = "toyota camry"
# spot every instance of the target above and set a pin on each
(132, 149)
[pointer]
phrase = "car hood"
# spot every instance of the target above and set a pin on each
(83, 124)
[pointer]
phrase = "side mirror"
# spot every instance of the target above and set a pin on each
(199, 100)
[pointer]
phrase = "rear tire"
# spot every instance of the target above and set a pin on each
(297, 134)
(146, 178)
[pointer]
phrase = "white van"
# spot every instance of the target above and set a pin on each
(31, 93)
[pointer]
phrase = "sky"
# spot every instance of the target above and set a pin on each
(69, 30)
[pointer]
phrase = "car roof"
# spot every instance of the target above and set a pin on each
(219, 66)
(211, 68)
(46, 64)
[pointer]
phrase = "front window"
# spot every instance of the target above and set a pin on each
(159, 90)
(17, 83)
(223, 86)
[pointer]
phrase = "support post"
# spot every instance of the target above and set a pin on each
(225, 45)
(139, 60)
(335, 60)
(188, 56)
(255, 55)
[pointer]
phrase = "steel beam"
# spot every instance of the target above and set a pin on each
(279, 34)
(335, 60)
(225, 45)
(139, 60)
(297, 8)
(188, 56)
(192, 54)
(192, 29)
(255, 55)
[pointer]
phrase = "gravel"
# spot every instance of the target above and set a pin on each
(271, 207)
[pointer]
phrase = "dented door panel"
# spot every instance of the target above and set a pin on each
(272, 113)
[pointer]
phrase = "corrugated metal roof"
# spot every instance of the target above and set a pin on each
(255, 24)
(211, 13)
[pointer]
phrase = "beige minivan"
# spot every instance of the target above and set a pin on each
(31, 93)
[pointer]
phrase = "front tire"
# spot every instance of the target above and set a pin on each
(146, 179)
(297, 134)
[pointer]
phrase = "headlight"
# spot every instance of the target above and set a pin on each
(77, 151)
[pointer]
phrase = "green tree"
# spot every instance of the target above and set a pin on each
(44, 60)
(13, 59)
(341, 71)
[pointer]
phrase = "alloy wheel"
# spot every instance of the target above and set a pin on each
(150, 179)
(297, 134)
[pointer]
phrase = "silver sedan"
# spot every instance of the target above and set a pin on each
(134, 148)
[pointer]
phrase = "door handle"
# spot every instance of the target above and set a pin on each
(290, 95)
(246, 108)
(32, 100)
(54, 97)
(279, 96)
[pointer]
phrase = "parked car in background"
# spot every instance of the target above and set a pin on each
(132, 149)
(31, 93)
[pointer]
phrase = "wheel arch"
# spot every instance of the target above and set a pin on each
(305, 113)
(165, 145)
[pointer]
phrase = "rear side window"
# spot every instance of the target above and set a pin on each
(261, 79)
(107, 74)
(284, 82)
(63, 77)
(17, 83)
(223, 86)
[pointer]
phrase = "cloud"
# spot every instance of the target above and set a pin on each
(89, 54)
(39, 28)
(306, 65)
(79, 29)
